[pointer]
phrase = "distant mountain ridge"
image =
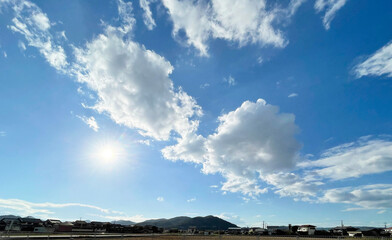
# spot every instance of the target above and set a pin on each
(124, 222)
(9, 216)
(201, 223)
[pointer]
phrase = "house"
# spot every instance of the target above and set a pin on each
(234, 230)
(277, 230)
(52, 222)
(388, 230)
(192, 230)
(2, 225)
(11, 224)
(82, 226)
(355, 233)
(28, 224)
(258, 231)
(64, 227)
(306, 230)
(99, 226)
(375, 232)
(342, 230)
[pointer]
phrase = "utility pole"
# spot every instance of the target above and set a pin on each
(263, 224)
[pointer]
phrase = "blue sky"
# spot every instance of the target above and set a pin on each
(275, 111)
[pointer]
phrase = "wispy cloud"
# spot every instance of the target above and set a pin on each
(330, 7)
(382, 211)
(35, 26)
(125, 11)
(135, 218)
(377, 196)
(45, 209)
(204, 85)
(230, 80)
(293, 95)
(191, 200)
(368, 155)
(160, 199)
(145, 142)
(147, 15)
(3, 134)
(380, 63)
(90, 121)
(21, 46)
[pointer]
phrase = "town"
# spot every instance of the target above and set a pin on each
(13, 224)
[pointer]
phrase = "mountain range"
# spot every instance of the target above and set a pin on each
(201, 223)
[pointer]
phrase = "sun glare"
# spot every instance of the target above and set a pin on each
(108, 154)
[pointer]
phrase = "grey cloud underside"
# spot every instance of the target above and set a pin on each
(251, 141)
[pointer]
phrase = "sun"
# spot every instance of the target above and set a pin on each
(108, 153)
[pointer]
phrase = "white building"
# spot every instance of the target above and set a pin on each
(306, 229)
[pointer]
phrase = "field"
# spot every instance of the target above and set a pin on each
(177, 237)
(241, 237)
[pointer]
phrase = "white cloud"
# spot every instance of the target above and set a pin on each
(147, 15)
(126, 16)
(352, 160)
(3, 134)
(21, 46)
(230, 80)
(5, 54)
(191, 200)
(246, 200)
(240, 21)
(25, 208)
(214, 186)
(41, 21)
(380, 63)
(145, 142)
(330, 7)
(160, 199)
(133, 86)
(205, 85)
(292, 185)
(293, 95)
(260, 60)
(376, 196)
(382, 211)
(34, 25)
(135, 218)
(253, 140)
(227, 216)
(62, 35)
(90, 121)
